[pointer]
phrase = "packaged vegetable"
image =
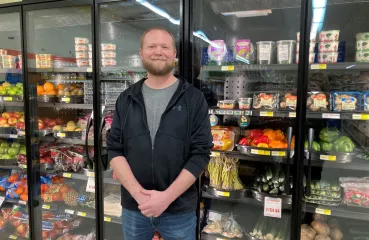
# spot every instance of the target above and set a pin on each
(108, 47)
(78, 40)
(362, 45)
(243, 51)
(223, 139)
(329, 134)
(318, 101)
(329, 36)
(227, 104)
(244, 103)
(362, 36)
(286, 51)
(288, 101)
(222, 224)
(343, 144)
(108, 54)
(356, 191)
(346, 101)
(266, 52)
(362, 57)
(217, 50)
(82, 55)
(328, 46)
(108, 62)
(328, 57)
(81, 48)
(264, 100)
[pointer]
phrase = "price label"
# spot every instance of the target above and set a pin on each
(2, 199)
(12, 237)
(69, 211)
(13, 136)
(220, 239)
(81, 214)
(89, 69)
(229, 112)
(318, 66)
(8, 99)
(237, 113)
(292, 114)
(360, 116)
(278, 153)
(323, 211)
(248, 113)
(215, 154)
(220, 112)
(107, 219)
(46, 207)
(331, 115)
(260, 152)
(227, 68)
(327, 157)
(273, 207)
(65, 99)
(60, 134)
(266, 114)
(22, 202)
(223, 194)
(90, 185)
(90, 174)
(211, 111)
(67, 175)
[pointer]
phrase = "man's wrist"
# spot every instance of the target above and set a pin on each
(169, 195)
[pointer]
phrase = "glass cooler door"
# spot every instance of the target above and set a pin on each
(245, 60)
(335, 199)
(121, 25)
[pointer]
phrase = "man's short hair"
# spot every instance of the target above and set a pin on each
(161, 29)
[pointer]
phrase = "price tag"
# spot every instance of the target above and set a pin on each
(8, 99)
(215, 154)
(223, 194)
(227, 68)
(273, 207)
(22, 202)
(331, 115)
(278, 153)
(211, 111)
(81, 214)
(248, 113)
(2, 199)
(90, 185)
(107, 219)
(327, 157)
(360, 116)
(89, 69)
(60, 134)
(237, 113)
(266, 114)
(46, 207)
(65, 99)
(255, 151)
(67, 175)
(220, 112)
(323, 211)
(12, 237)
(292, 114)
(13, 136)
(90, 174)
(318, 66)
(220, 239)
(229, 112)
(69, 211)
(260, 152)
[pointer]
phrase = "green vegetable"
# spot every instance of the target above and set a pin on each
(270, 183)
(272, 233)
(258, 178)
(264, 179)
(329, 134)
(335, 187)
(268, 174)
(274, 191)
(344, 144)
(281, 176)
(315, 146)
(326, 146)
(265, 187)
(281, 188)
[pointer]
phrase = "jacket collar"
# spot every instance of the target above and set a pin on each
(137, 87)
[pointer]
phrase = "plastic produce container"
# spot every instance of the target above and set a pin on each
(362, 56)
(329, 57)
(227, 104)
(328, 46)
(362, 36)
(245, 103)
(286, 51)
(362, 45)
(266, 52)
(329, 36)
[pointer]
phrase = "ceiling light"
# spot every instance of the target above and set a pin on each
(253, 13)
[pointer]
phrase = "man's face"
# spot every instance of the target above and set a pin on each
(158, 53)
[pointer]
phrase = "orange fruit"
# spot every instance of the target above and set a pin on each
(60, 86)
(40, 89)
(51, 93)
(19, 190)
(48, 87)
(24, 197)
(63, 189)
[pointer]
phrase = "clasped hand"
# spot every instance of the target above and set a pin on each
(153, 203)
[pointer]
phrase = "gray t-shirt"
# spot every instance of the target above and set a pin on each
(156, 101)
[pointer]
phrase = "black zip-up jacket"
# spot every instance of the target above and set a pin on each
(183, 141)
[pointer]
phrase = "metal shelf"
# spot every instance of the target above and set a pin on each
(123, 68)
(69, 81)
(64, 69)
(65, 105)
(343, 211)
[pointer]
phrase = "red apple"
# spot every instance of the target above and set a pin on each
(6, 115)
(49, 160)
(19, 125)
(17, 115)
(51, 123)
(41, 125)
(3, 121)
(12, 121)
(46, 120)
(59, 121)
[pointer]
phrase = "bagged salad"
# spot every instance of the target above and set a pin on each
(346, 101)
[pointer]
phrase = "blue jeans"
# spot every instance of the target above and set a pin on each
(170, 226)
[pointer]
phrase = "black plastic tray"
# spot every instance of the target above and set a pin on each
(232, 194)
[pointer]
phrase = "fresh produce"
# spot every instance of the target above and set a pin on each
(267, 138)
(223, 139)
(73, 89)
(271, 228)
(226, 226)
(11, 89)
(12, 119)
(324, 193)
(336, 234)
(329, 134)
(320, 227)
(307, 232)
(68, 158)
(223, 173)
(71, 198)
(245, 141)
(346, 101)
(326, 146)
(10, 151)
(267, 101)
(315, 146)
(320, 230)
(271, 181)
(322, 237)
(343, 144)
(288, 101)
(46, 89)
(356, 191)
(317, 101)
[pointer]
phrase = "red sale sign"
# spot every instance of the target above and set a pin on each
(273, 207)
